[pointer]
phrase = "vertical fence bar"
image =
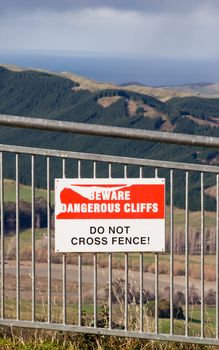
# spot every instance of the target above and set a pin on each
(17, 241)
(187, 255)
(33, 236)
(217, 256)
(156, 294)
(110, 289)
(202, 255)
(141, 259)
(79, 270)
(110, 267)
(79, 289)
(64, 277)
(49, 240)
(2, 239)
(126, 273)
(156, 285)
(126, 291)
(171, 254)
(95, 289)
(95, 268)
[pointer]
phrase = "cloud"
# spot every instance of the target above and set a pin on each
(112, 31)
(149, 6)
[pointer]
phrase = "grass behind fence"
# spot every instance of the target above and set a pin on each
(22, 339)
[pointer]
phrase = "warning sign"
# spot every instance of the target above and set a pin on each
(109, 215)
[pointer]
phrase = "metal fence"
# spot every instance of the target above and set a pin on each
(109, 294)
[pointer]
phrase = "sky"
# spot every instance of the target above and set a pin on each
(162, 29)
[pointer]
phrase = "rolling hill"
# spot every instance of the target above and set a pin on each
(67, 97)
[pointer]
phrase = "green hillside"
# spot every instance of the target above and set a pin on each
(45, 95)
(201, 108)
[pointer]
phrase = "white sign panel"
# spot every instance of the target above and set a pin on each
(110, 215)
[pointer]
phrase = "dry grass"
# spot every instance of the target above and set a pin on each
(20, 339)
(147, 110)
(212, 123)
(179, 270)
(162, 94)
(211, 191)
(108, 101)
(167, 126)
(12, 339)
(41, 256)
(210, 272)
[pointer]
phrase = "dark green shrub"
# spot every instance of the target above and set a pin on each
(164, 310)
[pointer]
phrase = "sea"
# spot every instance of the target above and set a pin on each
(119, 70)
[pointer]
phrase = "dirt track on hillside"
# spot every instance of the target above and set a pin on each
(41, 280)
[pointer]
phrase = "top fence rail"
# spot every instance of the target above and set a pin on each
(108, 131)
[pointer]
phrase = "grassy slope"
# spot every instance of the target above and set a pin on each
(24, 192)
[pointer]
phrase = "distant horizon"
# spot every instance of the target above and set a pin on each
(117, 69)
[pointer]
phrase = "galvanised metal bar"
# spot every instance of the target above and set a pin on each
(17, 239)
(187, 255)
(2, 238)
(64, 277)
(156, 262)
(110, 170)
(110, 267)
(108, 131)
(171, 254)
(141, 287)
(156, 294)
(110, 289)
(141, 256)
(126, 325)
(95, 267)
(107, 331)
(202, 257)
(79, 289)
(49, 262)
(217, 256)
(109, 159)
(64, 288)
(126, 274)
(33, 236)
(95, 289)
(79, 270)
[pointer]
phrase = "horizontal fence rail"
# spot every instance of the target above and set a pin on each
(109, 159)
(168, 296)
(108, 131)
